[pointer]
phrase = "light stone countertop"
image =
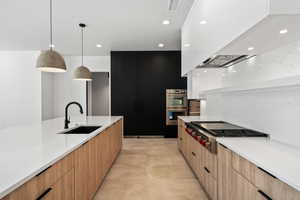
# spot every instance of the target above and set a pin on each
(27, 150)
(281, 160)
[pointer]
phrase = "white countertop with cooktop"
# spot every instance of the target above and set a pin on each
(27, 150)
(281, 160)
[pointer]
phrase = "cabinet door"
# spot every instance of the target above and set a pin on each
(81, 157)
(210, 184)
(92, 170)
(62, 189)
(206, 39)
(242, 189)
(210, 162)
(224, 173)
(179, 138)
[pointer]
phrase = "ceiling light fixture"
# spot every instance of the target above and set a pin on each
(283, 31)
(161, 45)
(250, 48)
(187, 45)
(99, 45)
(50, 60)
(82, 73)
(203, 22)
(166, 22)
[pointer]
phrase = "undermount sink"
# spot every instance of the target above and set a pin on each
(82, 130)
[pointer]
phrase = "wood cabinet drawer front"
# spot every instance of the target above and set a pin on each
(196, 155)
(224, 173)
(243, 167)
(55, 172)
(224, 154)
(242, 188)
(210, 185)
(273, 187)
(41, 182)
(63, 189)
(209, 161)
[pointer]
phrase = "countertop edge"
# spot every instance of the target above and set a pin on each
(23, 180)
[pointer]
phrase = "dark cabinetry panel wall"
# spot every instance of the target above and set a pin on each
(138, 84)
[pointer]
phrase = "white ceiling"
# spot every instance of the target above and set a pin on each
(116, 24)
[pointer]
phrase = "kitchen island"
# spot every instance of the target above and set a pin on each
(35, 157)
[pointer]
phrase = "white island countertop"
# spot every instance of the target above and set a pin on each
(27, 150)
(282, 161)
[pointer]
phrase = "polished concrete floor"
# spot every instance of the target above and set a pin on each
(150, 169)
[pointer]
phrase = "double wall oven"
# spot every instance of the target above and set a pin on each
(176, 105)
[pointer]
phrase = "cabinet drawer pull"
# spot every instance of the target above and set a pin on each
(44, 194)
(264, 195)
(193, 154)
(267, 172)
(206, 170)
(43, 171)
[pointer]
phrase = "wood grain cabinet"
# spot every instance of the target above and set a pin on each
(78, 175)
(242, 189)
(43, 181)
(239, 179)
(180, 128)
(224, 173)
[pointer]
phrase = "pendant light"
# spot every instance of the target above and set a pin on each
(50, 60)
(82, 73)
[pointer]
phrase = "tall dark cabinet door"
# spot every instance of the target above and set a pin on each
(124, 89)
(139, 81)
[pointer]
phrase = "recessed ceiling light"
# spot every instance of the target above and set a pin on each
(205, 71)
(203, 22)
(99, 45)
(283, 31)
(166, 22)
(161, 45)
(250, 48)
(187, 45)
(51, 45)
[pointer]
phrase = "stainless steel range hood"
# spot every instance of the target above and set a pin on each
(224, 61)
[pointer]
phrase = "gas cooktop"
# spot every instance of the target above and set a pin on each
(224, 129)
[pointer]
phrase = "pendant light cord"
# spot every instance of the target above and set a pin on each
(51, 26)
(82, 46)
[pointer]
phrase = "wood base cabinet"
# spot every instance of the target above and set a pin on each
(239, 179)
(94, 159)
(78, 175)
(202, 162)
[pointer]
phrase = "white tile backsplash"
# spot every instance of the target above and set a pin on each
(276, 112)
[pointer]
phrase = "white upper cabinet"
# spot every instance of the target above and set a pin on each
(232, 26)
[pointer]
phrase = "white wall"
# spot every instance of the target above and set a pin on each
(209, 79)
(67, 90)
(47, 96)
(20, 90)
(275, 112)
